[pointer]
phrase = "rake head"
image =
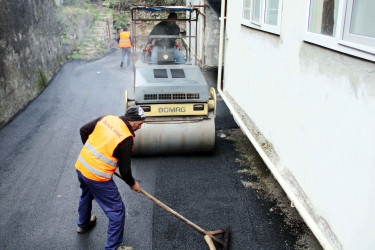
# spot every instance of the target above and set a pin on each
(223, 241)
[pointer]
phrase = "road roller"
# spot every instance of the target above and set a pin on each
(179, 105)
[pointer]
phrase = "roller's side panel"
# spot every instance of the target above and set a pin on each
(170, 138)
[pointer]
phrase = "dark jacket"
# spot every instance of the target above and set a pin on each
(165, 28)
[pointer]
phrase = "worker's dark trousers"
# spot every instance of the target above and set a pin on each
(109, 199)
(126, 51)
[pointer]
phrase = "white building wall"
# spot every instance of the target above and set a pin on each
(317, 109)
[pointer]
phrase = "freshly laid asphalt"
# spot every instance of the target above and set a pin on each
(39, 190)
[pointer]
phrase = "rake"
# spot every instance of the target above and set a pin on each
(209, 236)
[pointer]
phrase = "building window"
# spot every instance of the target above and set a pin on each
(360, 22)
(344, 25)
(271, 12)
(262, 15)
(323, 16)
(246, 9)
(255, 13)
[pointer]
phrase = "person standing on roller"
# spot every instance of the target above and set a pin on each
(108, 144)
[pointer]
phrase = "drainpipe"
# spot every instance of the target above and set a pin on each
(203, 32)
(295, 202)
(221, 46)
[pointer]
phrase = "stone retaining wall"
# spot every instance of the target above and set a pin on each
(35, 39)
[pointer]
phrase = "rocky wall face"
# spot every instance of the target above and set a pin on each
(212, 38)
(31, 50)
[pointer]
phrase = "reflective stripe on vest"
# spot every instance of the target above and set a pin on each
(93, 170)
(96, 161)
(99, 155)
(125, 39)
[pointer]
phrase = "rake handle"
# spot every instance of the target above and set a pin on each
(196, 227)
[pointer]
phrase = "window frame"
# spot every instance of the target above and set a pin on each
(353, 38)
(275, 29)
(337, 42)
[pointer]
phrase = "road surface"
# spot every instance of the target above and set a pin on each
(39, 190)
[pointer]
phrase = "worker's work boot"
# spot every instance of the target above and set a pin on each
(92, 223)
(121, 64)
(124, 248)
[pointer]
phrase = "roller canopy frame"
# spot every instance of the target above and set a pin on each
(194, 132)
(163, 8)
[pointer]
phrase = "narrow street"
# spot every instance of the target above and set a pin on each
(39, 190)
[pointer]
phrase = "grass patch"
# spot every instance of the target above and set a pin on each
(64, 39)
(42, 81)
(93, 11)
(59, 61)
(250, 161)
(75, 55)
(256, 175)
(120, 21)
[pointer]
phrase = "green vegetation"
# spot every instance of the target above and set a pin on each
(93, 11)
(64, 39)
(119, 9)
(75, 55)
(42, 81)
(86, 7)
(120, 20)
(100, 51)
(250, 161)
(60, 20)
(89, 46)
(73, 10)
(118, 4)
(59, 61)
(158, 2)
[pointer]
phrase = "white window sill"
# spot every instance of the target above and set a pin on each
(263, 27)
(349, 48)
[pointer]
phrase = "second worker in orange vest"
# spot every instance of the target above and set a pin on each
(108, 144)
(124, 40)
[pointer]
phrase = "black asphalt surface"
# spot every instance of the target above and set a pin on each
(39, 190)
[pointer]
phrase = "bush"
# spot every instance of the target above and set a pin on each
(120, 21)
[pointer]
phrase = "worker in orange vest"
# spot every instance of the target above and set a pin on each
(108, 144)
(124, 40)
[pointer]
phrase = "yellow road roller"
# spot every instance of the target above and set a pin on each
(180, 107)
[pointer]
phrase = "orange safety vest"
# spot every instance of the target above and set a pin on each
(125, 39)
(96, 161)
